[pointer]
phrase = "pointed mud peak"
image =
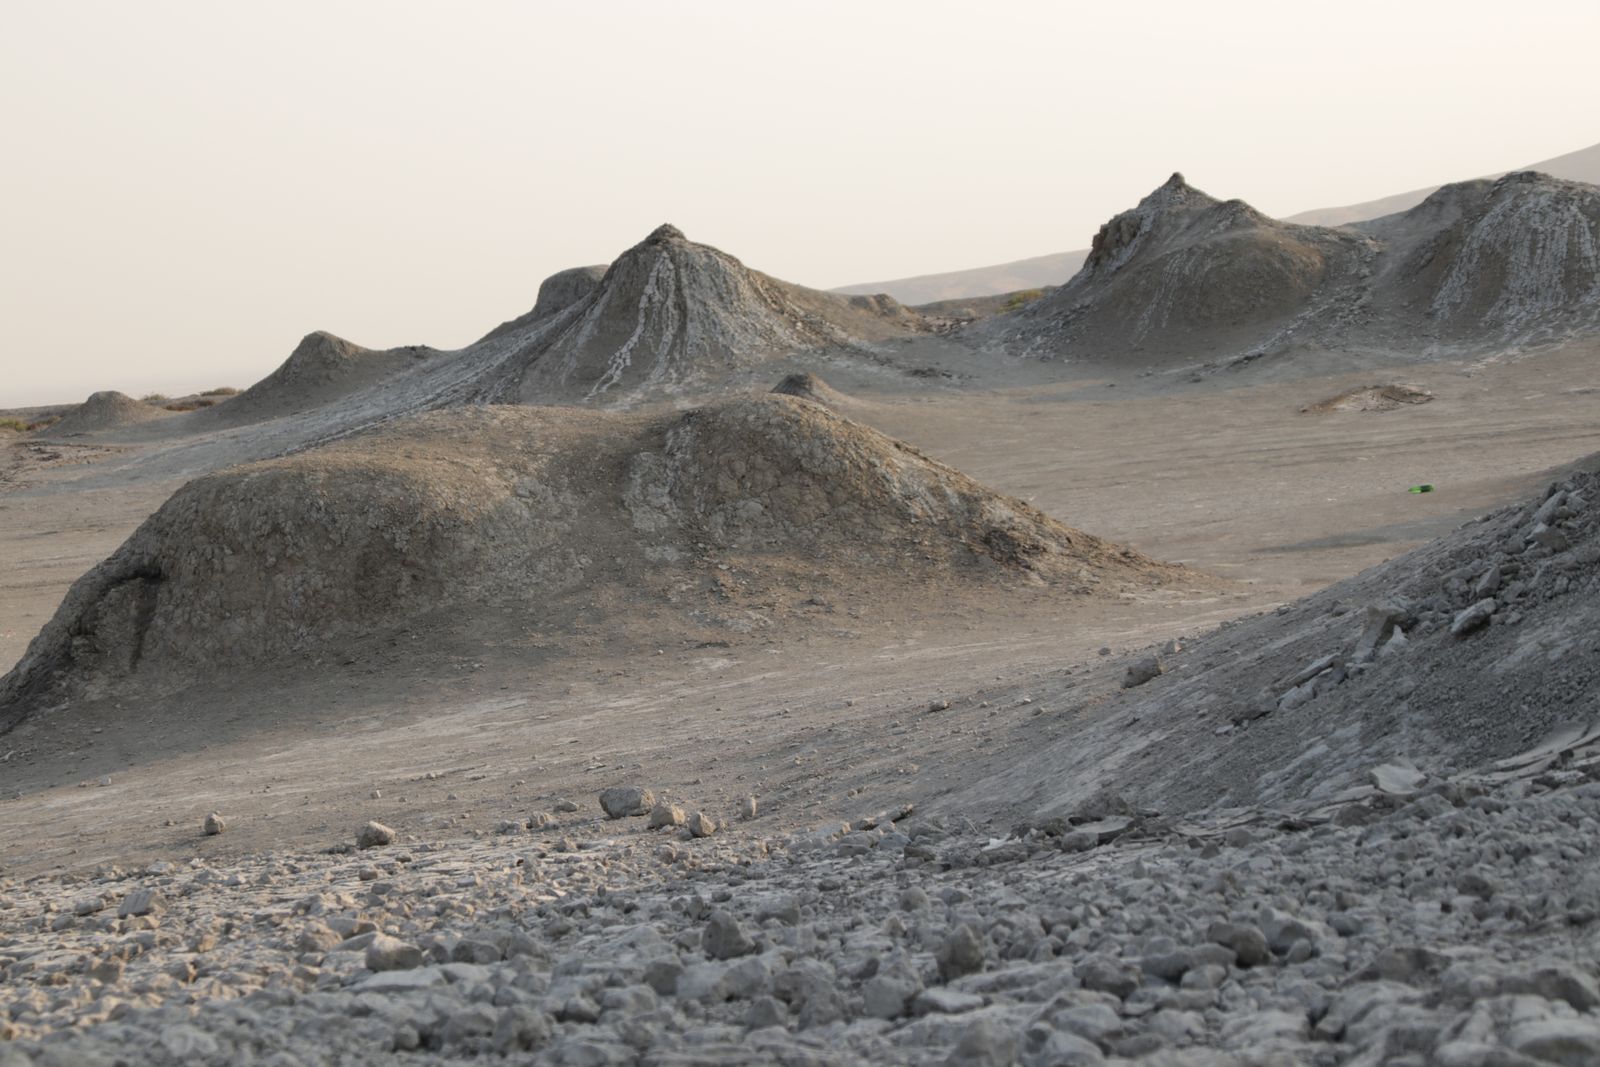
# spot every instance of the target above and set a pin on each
(1169, 205)
(1183, 273)
(670, 315)
(320, 344)
(318, 355)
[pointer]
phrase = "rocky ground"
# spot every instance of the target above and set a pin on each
(1452, 923)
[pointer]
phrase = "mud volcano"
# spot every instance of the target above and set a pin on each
(537, 516)
(106, 410)
(670, 313)
(1184, 277)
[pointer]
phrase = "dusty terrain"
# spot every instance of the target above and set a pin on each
(1235, 482)
(902, 654)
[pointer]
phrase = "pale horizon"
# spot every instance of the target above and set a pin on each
(190, 191)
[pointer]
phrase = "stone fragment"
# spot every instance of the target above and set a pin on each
(1141, 671)
(1381, 619)
(986, 1043)
(1556, 981)
(142, 902)
(107, 971)
(888, 996)
(766, 1011)
(943, 1001)
(662, 975)
(1564, 1042)
(375, 835)
(385, 953)
(214, 824)
(1471, 618)
(961, 952)
(1248, 943)
(702, 825)
(1488, 583)
(666, 814)
(724, 938)
(747, 808)
(623, 801)
(319, 938)
(1107, 975)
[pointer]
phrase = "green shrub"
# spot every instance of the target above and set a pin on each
(157, 399)
(14, 425)
(226, 390)
(1016, 300)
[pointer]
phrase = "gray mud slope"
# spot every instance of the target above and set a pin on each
(1466, 650)
(670, 315)
(547, 515)
(1184, 278)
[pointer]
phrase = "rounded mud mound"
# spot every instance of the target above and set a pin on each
(322, 368)
(538, 518)
(106, 410)
(769, 473)
(1370, 398)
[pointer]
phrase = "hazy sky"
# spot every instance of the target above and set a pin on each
(188, 188)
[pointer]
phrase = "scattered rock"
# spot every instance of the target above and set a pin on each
(665, 814)
(1469, 619)
(142, 902)
(385, 953)
(724, 938)
(624, 801)
(961, 953)
(1141, 671)
(213, 825)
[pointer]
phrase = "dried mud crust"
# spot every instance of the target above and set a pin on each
(1370, 398)
(544, 515)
